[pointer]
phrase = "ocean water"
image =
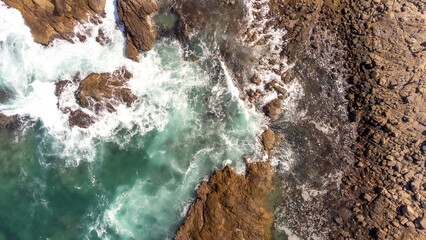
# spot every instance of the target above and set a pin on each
(131, 175)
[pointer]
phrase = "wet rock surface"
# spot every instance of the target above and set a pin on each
(379, 47)
(51, 19)
(9, 123)
(96, 94)
(231, 206)
(135, 17)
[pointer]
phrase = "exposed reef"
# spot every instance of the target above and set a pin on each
(95, 95)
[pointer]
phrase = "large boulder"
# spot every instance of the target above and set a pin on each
(50, 19)
(274, 109)
(231, 206)
(104, 91)
(135, 17)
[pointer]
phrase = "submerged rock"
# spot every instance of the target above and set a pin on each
(135, 17)
(5, 95)
(231, 206)
(50, 19)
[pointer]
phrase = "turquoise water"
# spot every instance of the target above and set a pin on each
(133, 174)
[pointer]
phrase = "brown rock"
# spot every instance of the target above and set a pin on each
(409, 212)
(99, 91)
(379, 233)
(255, 79)
(80, 119)
(50, 19)
(96, 93)
(270, 140)
(230, 206)
(274, 109)
(134, 15)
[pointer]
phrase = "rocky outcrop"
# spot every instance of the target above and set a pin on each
(386, 192)
(231, 206)
(274, 109)
(96, 94)
(50, 19)
(9, 123)
(381, 44)
(135, 17)
(270, 140)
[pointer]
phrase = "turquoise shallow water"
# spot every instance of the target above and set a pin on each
(133, 174)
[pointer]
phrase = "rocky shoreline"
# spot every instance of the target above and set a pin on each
(378, 46)
(386, 57)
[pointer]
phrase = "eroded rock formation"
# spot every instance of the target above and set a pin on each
(231, 206)
(50, 19)
(95, 94)
(135, 17)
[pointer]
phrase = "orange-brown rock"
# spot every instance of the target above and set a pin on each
(50, 19)
(231, 206)
(95, 94)
(134, 15)
(99, 91)
(270, 139)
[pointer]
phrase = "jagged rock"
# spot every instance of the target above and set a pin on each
(105, 90)
(274, 109)
(50, 19)
(367, 197)
(230, 206)
(409, 213)
(379, 233)
(135, 17)
(96, 93)
(9, 123)
(80, 119)
(255, 79)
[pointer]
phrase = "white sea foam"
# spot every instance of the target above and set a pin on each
(31, 70)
